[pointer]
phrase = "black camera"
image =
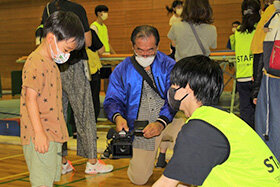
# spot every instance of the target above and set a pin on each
(120, 145)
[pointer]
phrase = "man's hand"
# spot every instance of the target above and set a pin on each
(121, 124)
(153, 129)
(41, 143)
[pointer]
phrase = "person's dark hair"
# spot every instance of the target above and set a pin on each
(57, 4)
(101, 8)
(174, 4)
(65, 25)
(236, 22)
(250, 15)
(197, 12)
(204, 76)
(144, 31)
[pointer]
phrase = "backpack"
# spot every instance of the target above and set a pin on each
(271, 46)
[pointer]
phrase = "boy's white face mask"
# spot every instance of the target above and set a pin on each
(60, 57)
(104, 16)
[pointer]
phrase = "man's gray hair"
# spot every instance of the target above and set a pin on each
(144, 31)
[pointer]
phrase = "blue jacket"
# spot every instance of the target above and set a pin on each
(124, 91)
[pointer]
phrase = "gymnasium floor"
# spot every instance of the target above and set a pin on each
(14, 172)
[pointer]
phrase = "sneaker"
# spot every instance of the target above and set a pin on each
(66, 168)
(99, 167)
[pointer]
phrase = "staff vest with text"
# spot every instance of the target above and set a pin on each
(103, 35)
(243, 54)
(250, 161)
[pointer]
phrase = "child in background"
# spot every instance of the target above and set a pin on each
(43, 128)
(231, 40)
(176, 9)
(101, 12)
(244, 58)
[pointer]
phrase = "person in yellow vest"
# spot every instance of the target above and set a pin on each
(101, 12)
(214, 147)
(94, 63)
(244, 58)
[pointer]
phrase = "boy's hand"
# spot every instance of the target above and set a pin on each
(41, 143)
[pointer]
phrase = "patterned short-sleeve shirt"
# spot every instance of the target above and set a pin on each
(43, 76)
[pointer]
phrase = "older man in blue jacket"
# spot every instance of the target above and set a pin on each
(131, 97)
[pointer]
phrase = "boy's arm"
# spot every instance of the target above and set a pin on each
(41, 141)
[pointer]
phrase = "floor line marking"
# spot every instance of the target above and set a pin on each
(12, 176)
(13, 156)
(26, 173)
(93, 176)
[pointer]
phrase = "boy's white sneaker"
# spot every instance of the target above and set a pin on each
(66, 168)
(99, 167)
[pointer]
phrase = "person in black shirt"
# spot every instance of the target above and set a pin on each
(214, 147)
(76, 90)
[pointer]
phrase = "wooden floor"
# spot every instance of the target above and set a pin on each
(14, 172)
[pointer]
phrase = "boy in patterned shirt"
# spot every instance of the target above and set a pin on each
(43, 128)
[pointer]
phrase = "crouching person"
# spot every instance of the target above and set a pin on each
(138, 91)
(214, 147)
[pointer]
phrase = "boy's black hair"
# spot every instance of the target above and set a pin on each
(101, 8)
(174, 4)
(204, 76)
(65, 25)
(144, 31)
(236, 22)
(250, 15)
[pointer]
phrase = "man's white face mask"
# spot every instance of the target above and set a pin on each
(144, 61)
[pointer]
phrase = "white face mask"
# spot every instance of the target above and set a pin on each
(276, 5)
(104, 16)
(60, 57)
(179, 11)
(145, 61)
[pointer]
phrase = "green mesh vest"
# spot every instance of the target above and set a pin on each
(250, 162)
(103, 35)
(243, 54)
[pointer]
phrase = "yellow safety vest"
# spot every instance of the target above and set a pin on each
(243, 54)
(103, 35)
(250, 162)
